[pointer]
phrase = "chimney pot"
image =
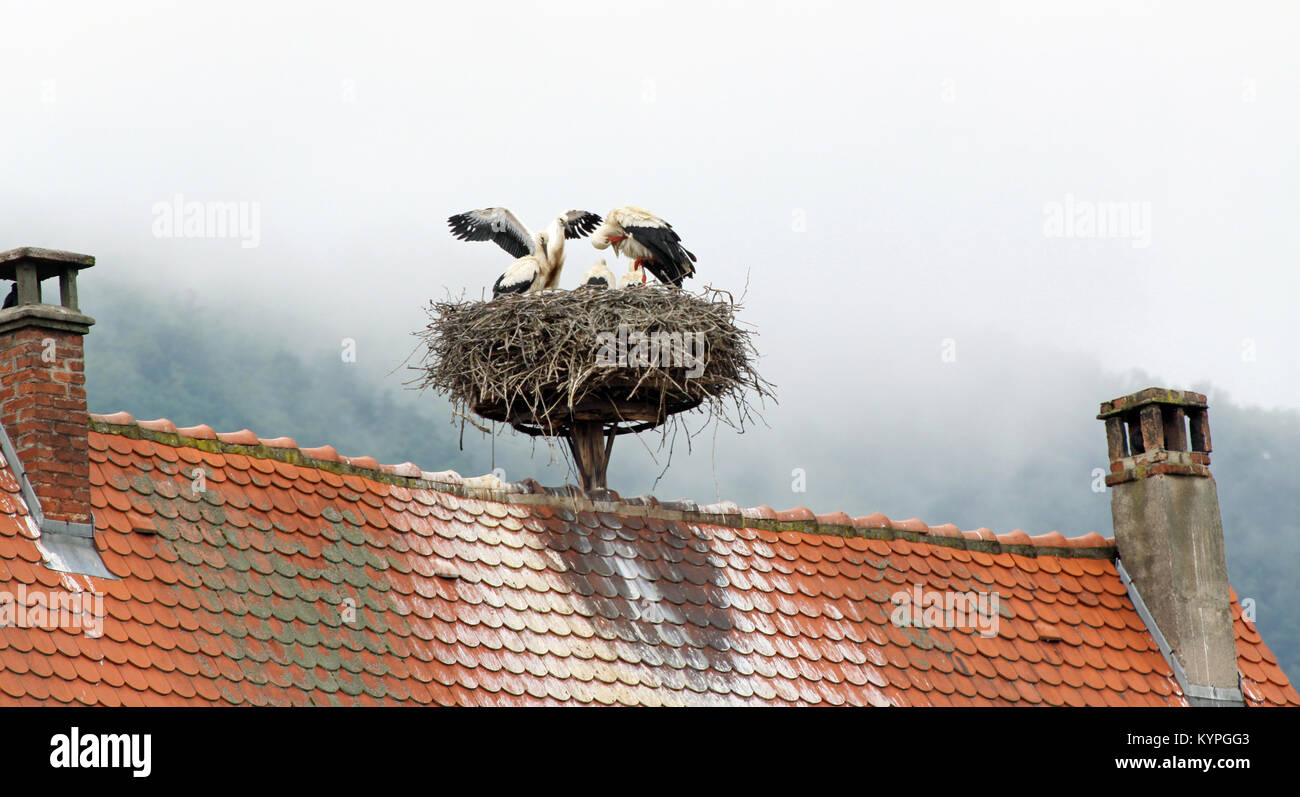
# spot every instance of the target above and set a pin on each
(28, 266)
(1158, 423)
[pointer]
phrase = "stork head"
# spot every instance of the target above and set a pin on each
(610, 233)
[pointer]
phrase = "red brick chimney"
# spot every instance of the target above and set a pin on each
(43, 384)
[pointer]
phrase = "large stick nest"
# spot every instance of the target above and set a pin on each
(629, 358)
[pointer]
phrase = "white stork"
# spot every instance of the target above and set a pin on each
(598, 276)
(522, 276)
(542, 251)
(649, 240)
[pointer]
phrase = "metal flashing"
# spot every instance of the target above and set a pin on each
(1197, 694)
(73, 544)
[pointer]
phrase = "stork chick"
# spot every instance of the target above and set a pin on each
(634, 276)
(598, 276)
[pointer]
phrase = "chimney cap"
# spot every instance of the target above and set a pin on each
(1151, 395)
(49, 262)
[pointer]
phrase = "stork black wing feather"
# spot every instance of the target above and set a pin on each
(474, 227)
(498, 289)
(671, 263)
(580, 226)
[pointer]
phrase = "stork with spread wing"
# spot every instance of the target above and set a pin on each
(539, 257)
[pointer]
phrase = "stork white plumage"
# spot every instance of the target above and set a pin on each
(523, 276)
(649, 240)
(598, 276)
(504, 229)
(553, 244)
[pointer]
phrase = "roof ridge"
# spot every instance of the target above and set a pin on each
(799, 519)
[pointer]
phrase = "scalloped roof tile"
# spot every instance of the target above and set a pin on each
(301, 576)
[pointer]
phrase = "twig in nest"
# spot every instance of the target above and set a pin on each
(543, 359)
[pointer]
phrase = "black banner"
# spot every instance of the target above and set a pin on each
(491, 747)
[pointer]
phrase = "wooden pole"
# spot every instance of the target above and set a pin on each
(591, 446)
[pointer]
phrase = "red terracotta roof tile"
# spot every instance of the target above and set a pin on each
(278, 442)
(120, 418)
(459, 600)
(243, 437)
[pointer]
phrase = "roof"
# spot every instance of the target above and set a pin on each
(474, 592)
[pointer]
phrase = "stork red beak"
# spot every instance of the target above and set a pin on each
(617, 238)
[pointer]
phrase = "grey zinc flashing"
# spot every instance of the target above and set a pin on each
(71, 545)
(1197, 694)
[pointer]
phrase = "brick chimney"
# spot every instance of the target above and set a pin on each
(1169, 533)
(43, 385)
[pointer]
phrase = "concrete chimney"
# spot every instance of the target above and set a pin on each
(1169, 533)
(43, 386)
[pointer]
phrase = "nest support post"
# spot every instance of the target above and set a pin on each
(590, 436)
(591, 443)
(589, 427)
